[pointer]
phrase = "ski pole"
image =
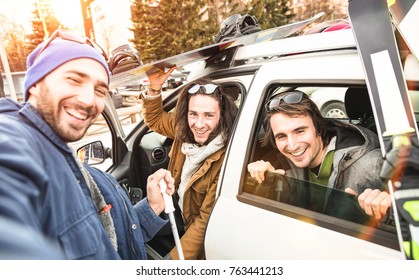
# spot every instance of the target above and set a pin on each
(169, 209)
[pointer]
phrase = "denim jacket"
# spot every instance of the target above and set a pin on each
(43, 188)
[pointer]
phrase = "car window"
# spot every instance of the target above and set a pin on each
(279, 192)
(330, 100)
(310, 196)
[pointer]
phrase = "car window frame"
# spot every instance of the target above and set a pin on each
(363, 232)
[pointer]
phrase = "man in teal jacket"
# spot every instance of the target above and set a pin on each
(82, 212)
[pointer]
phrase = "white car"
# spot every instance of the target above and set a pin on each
(244, 225)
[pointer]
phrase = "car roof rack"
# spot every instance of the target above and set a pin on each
(341, 39)
(254, 53)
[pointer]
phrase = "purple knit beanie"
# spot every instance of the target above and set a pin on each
(57, 53)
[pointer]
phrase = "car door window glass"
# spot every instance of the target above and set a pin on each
(299, 192)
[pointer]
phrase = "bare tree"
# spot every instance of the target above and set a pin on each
(333, 9)
(107, 38)
(13, 36)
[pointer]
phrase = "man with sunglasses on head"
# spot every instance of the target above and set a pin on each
(201, 127)
(81, 210)
(324, 151)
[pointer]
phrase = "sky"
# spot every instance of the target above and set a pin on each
(67, 11)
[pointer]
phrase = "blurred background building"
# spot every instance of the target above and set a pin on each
(108, 22)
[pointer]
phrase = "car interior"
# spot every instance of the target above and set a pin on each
(358, 107)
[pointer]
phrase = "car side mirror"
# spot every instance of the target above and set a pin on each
(93, 153)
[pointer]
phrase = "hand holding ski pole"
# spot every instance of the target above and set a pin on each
(169, 209)
(154, 196)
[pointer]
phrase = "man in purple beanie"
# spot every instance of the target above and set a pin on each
(82, 212)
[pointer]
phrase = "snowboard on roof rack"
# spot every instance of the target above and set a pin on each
(131, 77)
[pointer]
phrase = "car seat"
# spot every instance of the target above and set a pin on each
(358, 107)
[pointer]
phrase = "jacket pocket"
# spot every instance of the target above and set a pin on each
(200, 186)
(197, 194)
(81, 240)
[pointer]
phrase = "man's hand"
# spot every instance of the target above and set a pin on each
(374, 202)
(154, 195)
(258, 168)
(157, 79)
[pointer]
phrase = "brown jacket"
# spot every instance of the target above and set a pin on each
(200, 191)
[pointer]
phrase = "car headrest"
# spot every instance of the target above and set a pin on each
(357, 103)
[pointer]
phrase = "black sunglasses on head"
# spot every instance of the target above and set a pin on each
(71, 36)
(292, 97)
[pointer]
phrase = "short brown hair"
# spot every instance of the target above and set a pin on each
(306, 107)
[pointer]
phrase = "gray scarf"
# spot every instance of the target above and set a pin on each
(102, 207)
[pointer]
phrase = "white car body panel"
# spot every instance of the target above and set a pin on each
(274, 236)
